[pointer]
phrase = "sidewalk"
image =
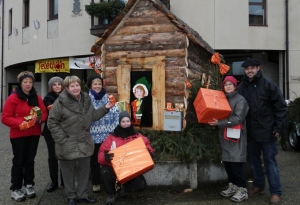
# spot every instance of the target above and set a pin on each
(289, 166)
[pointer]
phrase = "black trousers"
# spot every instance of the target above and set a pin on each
(235, 173)
(95, 166)
(108, 178)
(52, 161)
(24, 151)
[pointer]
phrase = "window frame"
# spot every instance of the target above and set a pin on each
(264, 5)
(52, 4)
(26, 12)
(10, 21)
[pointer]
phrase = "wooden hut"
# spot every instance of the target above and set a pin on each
(147, 37)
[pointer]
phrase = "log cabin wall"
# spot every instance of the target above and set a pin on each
(144, 40)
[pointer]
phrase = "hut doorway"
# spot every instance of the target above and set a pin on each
(130, 70)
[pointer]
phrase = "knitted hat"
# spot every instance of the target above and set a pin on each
(54, 80)
(231, 79)
(93, 77)
(124, 114)
(250, 62)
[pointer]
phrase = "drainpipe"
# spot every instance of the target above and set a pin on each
(2, 55)
(287, 75)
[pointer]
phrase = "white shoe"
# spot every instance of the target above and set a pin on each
(240, 195)
(96, 188)
(17, 195)
(30, 191)
(230, 191)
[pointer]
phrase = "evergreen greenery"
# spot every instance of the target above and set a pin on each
(105, 10)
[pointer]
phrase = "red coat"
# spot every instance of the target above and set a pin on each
(14, 111)
(107, 143)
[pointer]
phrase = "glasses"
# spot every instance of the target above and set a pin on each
(229, 84)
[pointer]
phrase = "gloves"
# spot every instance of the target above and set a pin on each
(108, 157)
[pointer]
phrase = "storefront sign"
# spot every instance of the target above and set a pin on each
(90, 62)
(52, 66)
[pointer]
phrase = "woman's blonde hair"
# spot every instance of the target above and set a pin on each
(71, 79)
(25, 74)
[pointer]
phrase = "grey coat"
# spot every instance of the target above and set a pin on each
(69, 122)
(234, 151)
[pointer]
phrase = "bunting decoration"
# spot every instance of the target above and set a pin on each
(215, 59)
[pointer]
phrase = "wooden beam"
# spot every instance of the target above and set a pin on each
(123, 78)
(145, 29)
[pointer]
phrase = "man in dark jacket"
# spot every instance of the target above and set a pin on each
(265, 121)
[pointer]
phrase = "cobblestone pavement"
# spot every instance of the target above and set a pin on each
(289, 165)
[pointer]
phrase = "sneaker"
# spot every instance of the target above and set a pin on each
(275, 200)
(111, 199)
(230, 191)
(30, 191)
(96, 188)
(240, 195)
(18, 195)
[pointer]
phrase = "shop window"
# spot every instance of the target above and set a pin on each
(257, 13)
(26, 6)
(53, 9)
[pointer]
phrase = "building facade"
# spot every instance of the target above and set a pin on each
(35, 30)
(239, 29)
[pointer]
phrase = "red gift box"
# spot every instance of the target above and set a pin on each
(211, 104)
(131, 160)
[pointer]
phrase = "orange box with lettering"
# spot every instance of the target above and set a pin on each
(211, 104)
(131, 160)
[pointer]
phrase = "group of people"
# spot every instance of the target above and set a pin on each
(81, 128)
(258, 117)
(76, 124)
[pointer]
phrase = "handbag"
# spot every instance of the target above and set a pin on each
(233, 133)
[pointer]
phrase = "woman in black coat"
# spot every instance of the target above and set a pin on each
(56, 87)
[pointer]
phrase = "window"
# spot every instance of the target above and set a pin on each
(53, 9)
(257, 13)
(10, 22)
(26, 13)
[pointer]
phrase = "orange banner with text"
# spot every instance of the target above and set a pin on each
(52, 66)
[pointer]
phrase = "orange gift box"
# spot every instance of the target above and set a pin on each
(211, 104)
(26, 125)
(131, 160)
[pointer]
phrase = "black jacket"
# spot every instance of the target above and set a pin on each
(267, 108)
(49, 100)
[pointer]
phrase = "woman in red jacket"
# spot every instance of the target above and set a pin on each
(122, 134)
(24, 142)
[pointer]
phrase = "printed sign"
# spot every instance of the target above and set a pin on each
(52, 66)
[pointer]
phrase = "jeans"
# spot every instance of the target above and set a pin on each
(269, 151)
(235, 173)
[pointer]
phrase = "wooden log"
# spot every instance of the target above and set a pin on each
(146, 13)
(145, 53)
(193, 74)
(178, 62)
(156, 38)
(177, 83)
(173, 72)
(123, 76)
(148, 62)
(110, 81)
(139, 21)
(174, 99)
(144, 29)
(174, 92)
(195, 66)
(150, 46)
(158, 95)
(111, 89)
(110, 71)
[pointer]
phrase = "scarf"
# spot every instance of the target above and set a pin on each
(124, 132)
(32, 98)
(98, 96)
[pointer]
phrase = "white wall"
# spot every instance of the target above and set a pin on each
(224, 25)
(73, 33)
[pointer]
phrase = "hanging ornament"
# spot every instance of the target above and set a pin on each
(215, 59)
